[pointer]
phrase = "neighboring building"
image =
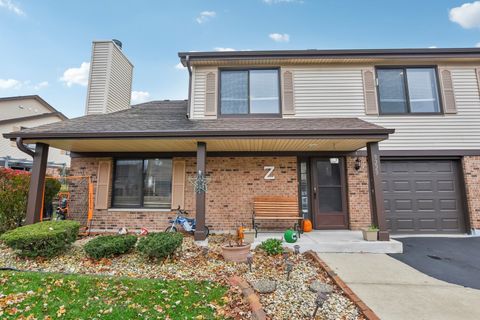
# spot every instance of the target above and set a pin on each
(317, 117)
(24, 112)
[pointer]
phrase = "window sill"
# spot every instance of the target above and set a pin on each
(138, 210)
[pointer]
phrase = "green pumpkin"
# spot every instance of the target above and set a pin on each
(290, 236)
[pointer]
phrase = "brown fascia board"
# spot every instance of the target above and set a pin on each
(39, 99)
(347, 53)
(380, 133)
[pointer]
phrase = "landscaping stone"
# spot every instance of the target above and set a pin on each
(317, 286)
(264, 285)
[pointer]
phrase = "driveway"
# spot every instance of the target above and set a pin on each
(455, 260)
(394, 290)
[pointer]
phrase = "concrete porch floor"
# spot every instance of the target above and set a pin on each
(335, 241)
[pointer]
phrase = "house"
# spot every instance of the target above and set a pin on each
(386, 137)
(22, 112)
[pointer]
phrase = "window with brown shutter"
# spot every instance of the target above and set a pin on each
(371, 107)
(288, 106)
(448, 93)
(211, 94)
(178, 184)
(103, 183)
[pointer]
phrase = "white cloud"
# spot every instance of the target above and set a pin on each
(140, 96)
(40, 85)
(9, 84)
(279, 37)
(432, 47)
(179, 66)
(78, 76)
(204, 16)
(477, 45)
(9, 5)
(467, 15)
(281, 1)
(224, 49)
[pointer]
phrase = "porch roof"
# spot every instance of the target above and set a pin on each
(163, 126)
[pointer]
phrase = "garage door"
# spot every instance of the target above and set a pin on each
(422, 196)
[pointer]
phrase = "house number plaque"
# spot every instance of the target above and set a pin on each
(269, 173)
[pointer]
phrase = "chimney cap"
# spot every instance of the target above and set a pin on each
(117, 42)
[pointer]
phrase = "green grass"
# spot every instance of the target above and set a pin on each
(94, 297)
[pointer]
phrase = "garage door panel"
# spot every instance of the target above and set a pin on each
(422, 196)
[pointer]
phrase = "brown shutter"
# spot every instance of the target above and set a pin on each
(178, 184)
(447, 92)
(371, 107)
(103, 184)
(211, 94)
(288, 105)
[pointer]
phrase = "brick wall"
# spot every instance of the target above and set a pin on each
(471, 169)
(234, 181)
(358, 194)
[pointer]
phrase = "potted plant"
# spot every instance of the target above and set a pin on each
(370, 233)
(236, 251)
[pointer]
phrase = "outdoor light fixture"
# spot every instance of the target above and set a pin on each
(296, 248)
(319, 301)
(250, 261)
(289, 267)
(285, 255)
(358, 164)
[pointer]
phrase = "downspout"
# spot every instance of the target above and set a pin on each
(189, 68)
(24, 148)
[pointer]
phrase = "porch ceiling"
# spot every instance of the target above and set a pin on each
(213, 145)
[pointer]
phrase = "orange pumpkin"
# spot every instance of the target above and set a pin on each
(307, 225)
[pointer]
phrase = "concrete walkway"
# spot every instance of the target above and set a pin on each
(335, 241)
(394, 290)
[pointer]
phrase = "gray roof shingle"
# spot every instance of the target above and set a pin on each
(168, 119)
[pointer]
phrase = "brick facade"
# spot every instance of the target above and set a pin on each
(471, 169)
(358, 194)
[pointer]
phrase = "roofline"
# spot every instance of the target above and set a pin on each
(380, 132)
(39, 99)
(343, 53)
(35, 116)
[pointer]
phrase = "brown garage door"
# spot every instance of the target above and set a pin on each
(423, 196)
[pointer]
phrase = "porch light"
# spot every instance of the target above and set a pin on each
(358, 164)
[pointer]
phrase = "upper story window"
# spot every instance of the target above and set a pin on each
(408, 90)
(249, 92)
(142, 183)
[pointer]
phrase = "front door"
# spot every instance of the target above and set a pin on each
(329, 194)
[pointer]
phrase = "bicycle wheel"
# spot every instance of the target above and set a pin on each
(170, 229)
(207, 231)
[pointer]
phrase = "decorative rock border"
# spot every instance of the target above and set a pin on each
(250, 296)
(366, 311)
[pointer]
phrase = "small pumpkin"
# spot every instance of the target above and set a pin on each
(307, 225)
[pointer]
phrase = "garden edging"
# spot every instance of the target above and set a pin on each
(249, 294)
(367, 312)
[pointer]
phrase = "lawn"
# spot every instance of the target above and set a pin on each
(31, 295)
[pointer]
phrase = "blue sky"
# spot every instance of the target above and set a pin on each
(41, 40)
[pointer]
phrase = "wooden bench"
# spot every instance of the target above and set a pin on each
(276, 208)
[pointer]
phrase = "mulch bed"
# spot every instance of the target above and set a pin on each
(291, 300)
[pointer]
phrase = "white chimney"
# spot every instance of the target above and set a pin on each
(110, 79)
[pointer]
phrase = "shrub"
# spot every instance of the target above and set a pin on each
(160, 245)
(13, 195)
(272, 246)
(109, 246)
(43, 239)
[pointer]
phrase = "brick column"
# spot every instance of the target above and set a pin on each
(200, 195)
(376, 192)
(37, 183)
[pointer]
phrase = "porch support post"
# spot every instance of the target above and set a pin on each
(37, 182)
(200, 194)
(376, 191)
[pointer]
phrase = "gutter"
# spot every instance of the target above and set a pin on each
(189, 68)
(24, 148)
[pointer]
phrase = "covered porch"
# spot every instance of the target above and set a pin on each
(142, 132)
